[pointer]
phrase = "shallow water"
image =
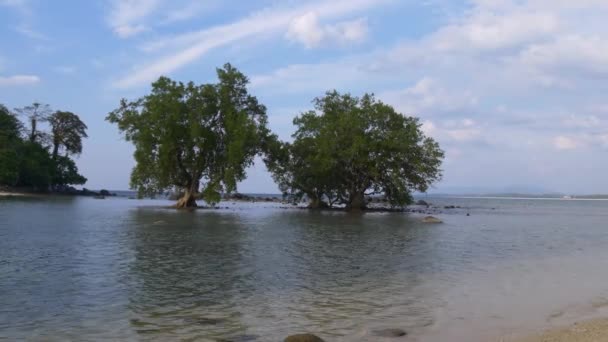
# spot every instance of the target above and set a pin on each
(119, 269)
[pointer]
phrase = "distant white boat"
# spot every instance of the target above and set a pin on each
(567, 197)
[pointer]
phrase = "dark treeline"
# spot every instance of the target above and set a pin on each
(199, 140)
(36, 154)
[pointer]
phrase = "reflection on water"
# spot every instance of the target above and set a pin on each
(119, 269)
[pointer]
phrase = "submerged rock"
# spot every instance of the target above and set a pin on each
(389, 333)
(303, 338)
(431, 219)
(240, 338)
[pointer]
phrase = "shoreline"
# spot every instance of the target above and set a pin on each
(14, 194)
(589, 330)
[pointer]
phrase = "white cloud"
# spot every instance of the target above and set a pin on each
(488, 30)
(565, 143)
(453, 132)
(311, 77)
(18, 80)
(190, 10)
(428, 97)
(127, 17)
(583, 53)
(307, 30)
(191, 46)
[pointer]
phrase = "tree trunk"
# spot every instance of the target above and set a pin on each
(33, 132)
(357, 202)
(317, 203)
(55, 150)
(188, 200)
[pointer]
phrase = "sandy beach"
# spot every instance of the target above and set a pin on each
(11, 194)
(586, 331)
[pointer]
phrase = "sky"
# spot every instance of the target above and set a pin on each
(515, 91)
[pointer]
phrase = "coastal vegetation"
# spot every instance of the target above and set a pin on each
(198, 140)
(351, 148)
(36, 159)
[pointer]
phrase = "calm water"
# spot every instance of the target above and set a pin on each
(119, 269)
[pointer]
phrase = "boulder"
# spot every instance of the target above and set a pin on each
(421, 202)
(431, 219)
(389, 333)
(303, 338)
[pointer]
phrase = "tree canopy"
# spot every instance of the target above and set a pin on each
(10, 142)
(349, 148)
(196, 138)
(36, 113)
(26, 161)
(67, 132)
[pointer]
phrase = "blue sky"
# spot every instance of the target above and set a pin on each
(514, 90)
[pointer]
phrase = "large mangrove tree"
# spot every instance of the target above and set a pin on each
(197, 138)
(349, 148)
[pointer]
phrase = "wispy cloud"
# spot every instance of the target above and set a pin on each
(190, 10)
(25, 27)
(18, 80)
(29, 32)
(547, 64)
(191, 46)
(127, 17)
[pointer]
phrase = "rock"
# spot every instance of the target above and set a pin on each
(449, 207)
(105, 192)
(389, 333)
(431, 219)
(421, 202)
(303, 338)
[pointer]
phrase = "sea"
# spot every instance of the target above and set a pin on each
(122, 269)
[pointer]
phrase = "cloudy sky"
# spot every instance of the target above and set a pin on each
(515, 91)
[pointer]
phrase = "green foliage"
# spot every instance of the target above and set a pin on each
(27, 162)
(67, 131)
(35, 114)
(349, 148)
(10, 140)
(65, 172)
(186, 135)
(35, 166)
